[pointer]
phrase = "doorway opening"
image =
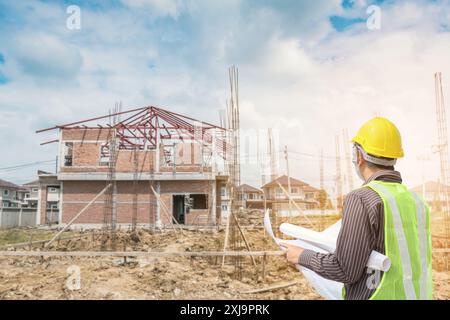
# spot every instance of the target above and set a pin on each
(179, 208)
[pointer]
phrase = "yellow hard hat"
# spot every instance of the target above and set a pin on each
(380, 137)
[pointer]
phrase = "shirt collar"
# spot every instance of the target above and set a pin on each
(385, 175)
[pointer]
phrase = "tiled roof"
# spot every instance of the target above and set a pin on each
(9, 185)
(31, 183)
(283, 180)
(248, 188)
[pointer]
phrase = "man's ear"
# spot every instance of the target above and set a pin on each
(361, 160)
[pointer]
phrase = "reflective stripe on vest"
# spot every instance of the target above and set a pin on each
(421, 226)
(401, 239)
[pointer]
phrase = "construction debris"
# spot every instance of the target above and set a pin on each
(162, 266)
(274, 287)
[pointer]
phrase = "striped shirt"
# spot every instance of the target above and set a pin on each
(361, 232)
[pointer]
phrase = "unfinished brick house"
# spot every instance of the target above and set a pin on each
(157, 167)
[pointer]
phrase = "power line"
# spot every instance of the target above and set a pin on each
(251, 155)
(25, 165)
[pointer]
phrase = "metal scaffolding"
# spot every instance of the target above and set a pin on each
(443, 155)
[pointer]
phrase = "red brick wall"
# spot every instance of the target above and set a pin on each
(85, 134)
(125, 161)
(78, 193)
(197, 217)
(86, 154)
(185, 186)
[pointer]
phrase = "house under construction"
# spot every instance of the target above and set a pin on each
(153, 168)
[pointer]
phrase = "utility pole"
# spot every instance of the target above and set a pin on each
(271, 147)
(423, 158)
(338, 176)
(348, 161)
(289, 178)
(322, 191)
(258, 160)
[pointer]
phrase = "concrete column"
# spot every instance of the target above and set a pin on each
(158, 155)
(20, 217)
(114, 206)
(158, 223)
(38, 210)
(214, 203)
(60, 204)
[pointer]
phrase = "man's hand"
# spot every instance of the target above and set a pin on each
(292, 253)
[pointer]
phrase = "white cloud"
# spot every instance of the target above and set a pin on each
(296, 74)
(157, 7)
(42, 56)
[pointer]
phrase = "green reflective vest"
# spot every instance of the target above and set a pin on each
(407, 240)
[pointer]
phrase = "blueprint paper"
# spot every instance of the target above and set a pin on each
(322, 242)
(326, 240)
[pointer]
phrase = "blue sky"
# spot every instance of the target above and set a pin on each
(305, 66)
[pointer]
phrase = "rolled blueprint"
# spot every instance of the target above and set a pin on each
(378, 261)
(327, 241)
(324, 241)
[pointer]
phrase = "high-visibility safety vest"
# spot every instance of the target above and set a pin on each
(407, 240)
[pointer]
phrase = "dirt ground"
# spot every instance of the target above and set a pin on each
(164, 278)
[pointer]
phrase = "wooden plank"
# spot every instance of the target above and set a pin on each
(271, 288)
(162, 254)
(24, 244)
(225, 242)
(77, 216)
(166, 210)
(244, 237)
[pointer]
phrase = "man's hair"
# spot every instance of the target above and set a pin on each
(375, 165)
(378, 166)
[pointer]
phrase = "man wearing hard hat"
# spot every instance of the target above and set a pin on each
(382, 215)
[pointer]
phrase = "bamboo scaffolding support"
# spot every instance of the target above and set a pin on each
(166, 210)
(225, 242)
(77, 216)
(243, 237)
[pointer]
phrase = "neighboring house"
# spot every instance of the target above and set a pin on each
(44, 194)
(182, 159)
(433, 193)
(32, 195)
(35, 202)
(305, 196)
(250, 197)
(11, 194)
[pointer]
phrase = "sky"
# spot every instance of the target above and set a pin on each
(307, 69)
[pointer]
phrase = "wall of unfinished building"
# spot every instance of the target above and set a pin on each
(86, 154)
(86, 151)
(77, 194)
